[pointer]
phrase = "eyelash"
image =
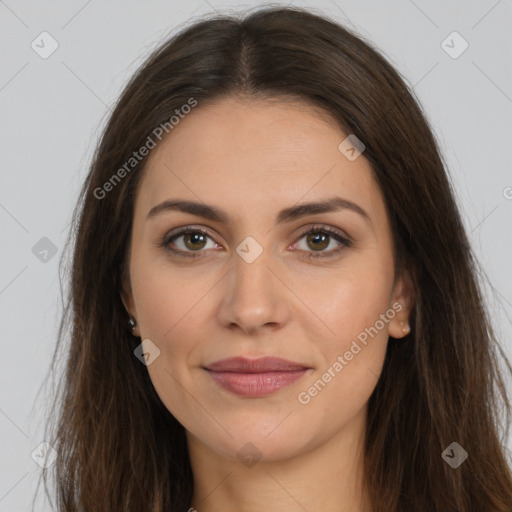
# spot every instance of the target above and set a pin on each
(343, 240)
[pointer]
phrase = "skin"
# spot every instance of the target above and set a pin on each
(253, 158)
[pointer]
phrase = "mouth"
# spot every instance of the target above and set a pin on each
(255, 377)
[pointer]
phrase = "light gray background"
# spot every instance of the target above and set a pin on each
(52, 110)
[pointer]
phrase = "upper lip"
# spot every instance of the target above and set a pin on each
(259, 365)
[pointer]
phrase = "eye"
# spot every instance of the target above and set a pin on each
(190, 242)
(320, 237)
(194, 241)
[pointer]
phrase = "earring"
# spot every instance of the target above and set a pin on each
(132, 323)
(405, 327)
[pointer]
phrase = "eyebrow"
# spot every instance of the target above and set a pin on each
(286, 215)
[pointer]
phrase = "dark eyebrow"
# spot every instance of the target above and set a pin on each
(287, 215)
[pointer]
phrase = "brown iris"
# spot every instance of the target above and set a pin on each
(325, 240)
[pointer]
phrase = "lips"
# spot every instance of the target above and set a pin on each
(255, 377)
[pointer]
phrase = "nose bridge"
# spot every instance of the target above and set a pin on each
(251, 274)
(254, 296)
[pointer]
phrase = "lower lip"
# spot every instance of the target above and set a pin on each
(256, 384)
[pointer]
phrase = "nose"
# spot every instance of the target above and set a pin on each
(255, 296)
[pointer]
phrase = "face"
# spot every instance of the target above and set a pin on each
(314, 287)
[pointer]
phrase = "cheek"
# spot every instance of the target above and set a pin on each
(348, 300)
(357, 311)
(165, 299)
(171, 310)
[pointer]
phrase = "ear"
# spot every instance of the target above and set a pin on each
(126, 295)
(403, 301)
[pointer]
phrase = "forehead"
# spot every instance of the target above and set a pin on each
(256, 154)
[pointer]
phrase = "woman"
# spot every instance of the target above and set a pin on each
(274, 305)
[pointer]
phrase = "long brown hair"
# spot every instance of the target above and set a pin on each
(119, 448)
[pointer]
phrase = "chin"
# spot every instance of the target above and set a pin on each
(256, 440)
